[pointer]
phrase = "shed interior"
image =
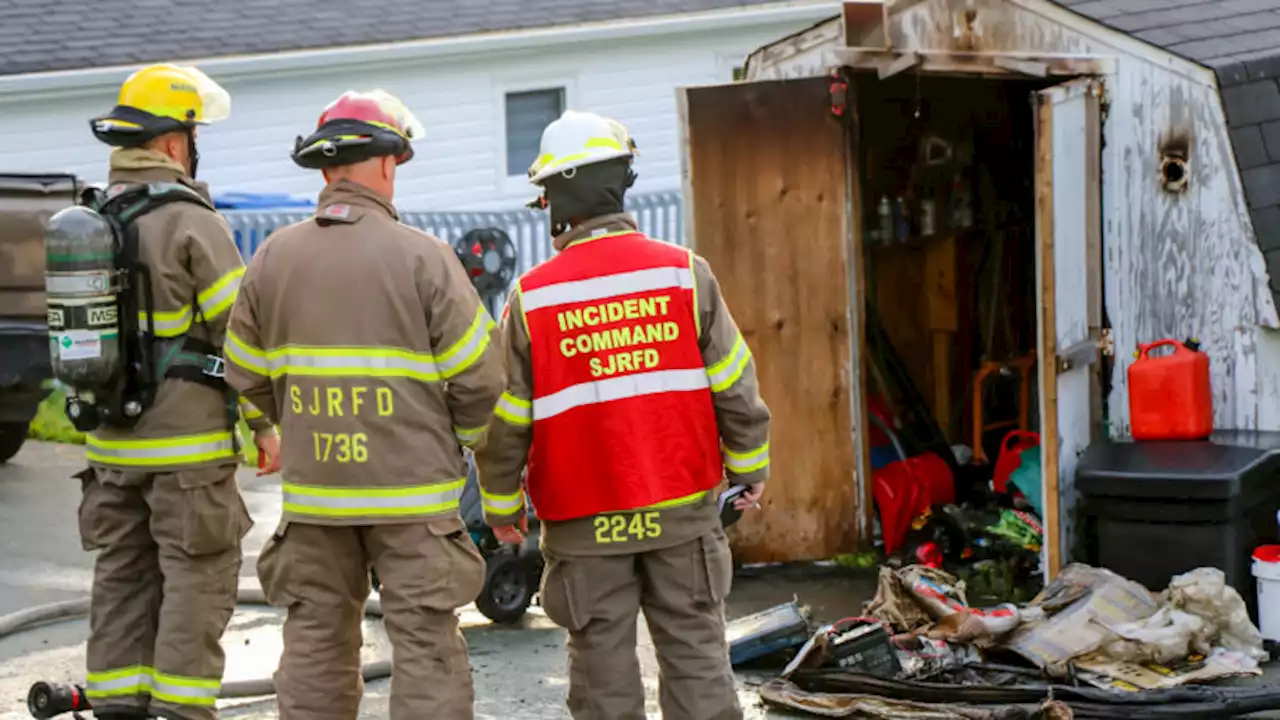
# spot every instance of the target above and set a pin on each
(947, 191)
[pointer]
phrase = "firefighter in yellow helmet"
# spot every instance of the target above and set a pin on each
(630, 395)
(161, 505)
(377, 390)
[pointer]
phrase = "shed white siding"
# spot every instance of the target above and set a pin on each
(461, 164)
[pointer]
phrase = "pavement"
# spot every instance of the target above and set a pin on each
(519, 671)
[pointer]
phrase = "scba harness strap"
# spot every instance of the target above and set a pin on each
(185, 357)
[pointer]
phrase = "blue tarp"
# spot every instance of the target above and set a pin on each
(259, 201)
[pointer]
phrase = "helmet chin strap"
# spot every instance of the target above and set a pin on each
(193, 155)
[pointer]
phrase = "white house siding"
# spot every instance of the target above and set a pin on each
(1176, 266)
(460, 164)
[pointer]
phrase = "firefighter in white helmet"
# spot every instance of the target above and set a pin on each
(630, 393)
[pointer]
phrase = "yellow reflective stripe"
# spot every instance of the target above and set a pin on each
(337, 361)
(245, 355)
(185, 690)
(593, 238)
(676, 502)
(464, 353)
(501, 504)
(726, 372)
(742, 463)
(219, 296)
(182, 450)
(140, 680)
(169, 323)
(697, 313)
(513, 410)
(469, 436)
(248, 410)
(320, 501)
(603, 142)
(524, 314)
(134, 680)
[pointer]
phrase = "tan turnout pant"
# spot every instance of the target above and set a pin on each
(164, 586)
(681, 591)
(321, 575)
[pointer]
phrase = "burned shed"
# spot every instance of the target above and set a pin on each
(957, 219)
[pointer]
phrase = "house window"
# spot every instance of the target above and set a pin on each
(528, 114)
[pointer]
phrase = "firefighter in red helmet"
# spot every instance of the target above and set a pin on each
(376, 388)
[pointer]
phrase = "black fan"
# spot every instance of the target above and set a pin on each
(489, 257)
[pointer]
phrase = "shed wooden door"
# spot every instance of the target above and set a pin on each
(768, 199)
(1069, 273)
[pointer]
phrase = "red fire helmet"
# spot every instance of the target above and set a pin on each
(356, 127)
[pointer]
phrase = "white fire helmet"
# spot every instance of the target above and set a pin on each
(577, 139)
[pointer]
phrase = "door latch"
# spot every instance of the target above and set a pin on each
(1086, 352)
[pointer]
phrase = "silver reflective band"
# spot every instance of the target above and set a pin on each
(724, 373)
(501, 504)
(618, 388)
(335, 501)
(187, 450)
(176, 692)
(214, 304)
(509, 409)
(461, 356)
(467, 436)
(745, 462)
(94, 282)
(134, 682)
(172, 322)
(299, 364)
(606, 286)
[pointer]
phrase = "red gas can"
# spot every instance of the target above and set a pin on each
(1169, 396)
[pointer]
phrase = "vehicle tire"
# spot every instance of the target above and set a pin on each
(12, 436)
(508, 588)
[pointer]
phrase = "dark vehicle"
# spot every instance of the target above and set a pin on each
(26, 203)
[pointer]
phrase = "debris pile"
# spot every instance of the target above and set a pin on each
(1091, 644)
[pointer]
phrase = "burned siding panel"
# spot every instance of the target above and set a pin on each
(1178, 265)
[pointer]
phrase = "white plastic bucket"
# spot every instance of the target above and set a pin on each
(1266, 568)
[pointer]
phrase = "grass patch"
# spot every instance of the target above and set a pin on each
(51, 425)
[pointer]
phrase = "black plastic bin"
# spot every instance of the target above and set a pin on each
(1158, 509)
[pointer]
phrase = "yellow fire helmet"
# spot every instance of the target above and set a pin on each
(160, 99)
(577, 139)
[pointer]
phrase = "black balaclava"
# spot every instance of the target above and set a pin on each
(591, 191)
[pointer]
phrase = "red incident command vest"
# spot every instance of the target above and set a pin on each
(622, 410)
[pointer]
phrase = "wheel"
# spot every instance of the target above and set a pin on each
(508, 588)
(12, 435)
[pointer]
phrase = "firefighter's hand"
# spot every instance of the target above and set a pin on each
(512, 534)
(268, 443)
(750, 498)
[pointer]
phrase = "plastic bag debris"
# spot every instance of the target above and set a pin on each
(1165, 637)
(1204, 592)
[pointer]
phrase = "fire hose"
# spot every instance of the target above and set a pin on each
(47, 700)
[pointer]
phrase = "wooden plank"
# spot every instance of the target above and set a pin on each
(768, 197)
(856, 269)
(1047, 335)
